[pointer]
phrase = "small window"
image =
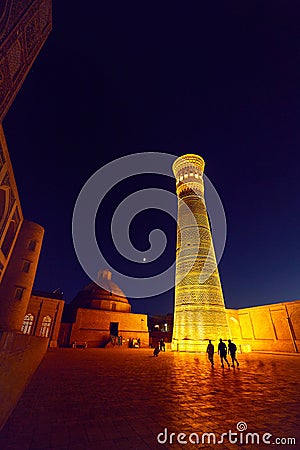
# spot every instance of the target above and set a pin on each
(19, 293)
(46, 325)
(27, 324)
(113, 307)
(32, 245)
(26, 266)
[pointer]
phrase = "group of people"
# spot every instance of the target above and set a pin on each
(134, 343)
(222, 351)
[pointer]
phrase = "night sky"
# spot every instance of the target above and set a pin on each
(219, 80)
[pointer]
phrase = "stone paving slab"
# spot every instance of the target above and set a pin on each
(116, 399)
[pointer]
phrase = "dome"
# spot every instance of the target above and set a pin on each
(107, 296)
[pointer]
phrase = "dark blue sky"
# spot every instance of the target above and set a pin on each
(219, 80)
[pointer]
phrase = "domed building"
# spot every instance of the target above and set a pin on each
(100, 315)
(108, 296)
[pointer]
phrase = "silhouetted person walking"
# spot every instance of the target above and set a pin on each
(210, 351)
(156, 351)
(232, 351)
(162, 345)
(222, 350)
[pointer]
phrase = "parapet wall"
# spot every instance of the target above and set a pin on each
(20, 355)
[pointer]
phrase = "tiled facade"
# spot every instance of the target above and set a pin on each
(24, 28)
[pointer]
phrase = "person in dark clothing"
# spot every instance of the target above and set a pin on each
(156, 351)
(232, 351)
(222, 350)
(162, 345)
(210, 352)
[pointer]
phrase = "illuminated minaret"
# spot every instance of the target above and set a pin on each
(199, 312)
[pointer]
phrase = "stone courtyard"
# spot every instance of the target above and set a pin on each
(124, 398)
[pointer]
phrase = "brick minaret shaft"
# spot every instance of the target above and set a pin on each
(199, 304)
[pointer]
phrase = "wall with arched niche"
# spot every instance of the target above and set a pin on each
(274, 327)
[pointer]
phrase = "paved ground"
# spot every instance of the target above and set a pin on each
(122, 399)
